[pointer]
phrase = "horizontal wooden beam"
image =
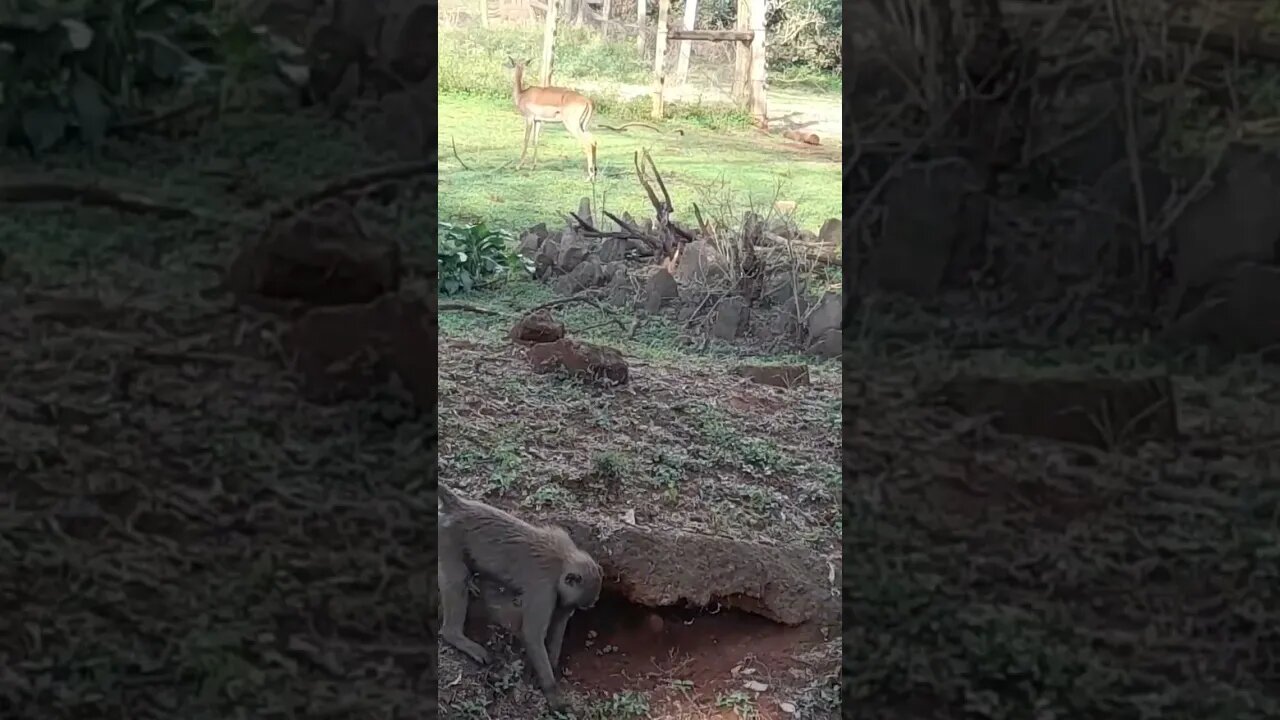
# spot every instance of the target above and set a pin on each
(734, 35)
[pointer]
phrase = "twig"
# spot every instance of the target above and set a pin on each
(470, 308)
(356, 181)
(454, 144)
(579, 298)
(95, 195)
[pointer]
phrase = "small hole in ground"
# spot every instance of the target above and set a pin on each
(620, 646)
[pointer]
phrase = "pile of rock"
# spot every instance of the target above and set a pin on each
(702, 287)
(352, 325)
(551, 351)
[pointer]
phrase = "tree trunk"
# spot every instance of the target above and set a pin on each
(686, 46)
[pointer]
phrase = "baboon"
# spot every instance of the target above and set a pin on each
(552, 577)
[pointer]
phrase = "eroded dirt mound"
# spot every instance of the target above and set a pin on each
(786, 585)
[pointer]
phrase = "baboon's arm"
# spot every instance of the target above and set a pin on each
(538, 610)
(555, 635)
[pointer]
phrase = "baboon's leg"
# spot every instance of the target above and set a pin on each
(454, 577)
(555, 635)
(538, 611)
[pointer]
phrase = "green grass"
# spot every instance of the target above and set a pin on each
(725, 172)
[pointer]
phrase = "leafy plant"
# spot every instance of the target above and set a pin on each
(75, 64)
(473, 255)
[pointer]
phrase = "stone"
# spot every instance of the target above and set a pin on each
(537, 327)
(591, 363)
(613, 249)
(584, 211)
(660, 288)
(828, 315)
(783, 376)
(589, 274)
(934, 213)
(829, 344)
(612, 270)
(544, 263)
(1242, 319)
(573, 250)
(1100, 412)
(831, 232)
(783, 290)
(1237, 221)
(530, 246)
(321, 256)
(730, 317)
(700, 262)
(343, 351)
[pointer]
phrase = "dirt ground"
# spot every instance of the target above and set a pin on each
(684, 447)
(1053, 580)
(787, 109)
(181, 533)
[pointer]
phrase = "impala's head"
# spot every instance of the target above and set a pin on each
(515, 64)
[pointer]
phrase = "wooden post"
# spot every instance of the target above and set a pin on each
(759, 108)
(642, 14)
(660, 56)
(580, 12)
(548, 42)
(606, 11)
(484, 13)
(742, 57)
(686, 46)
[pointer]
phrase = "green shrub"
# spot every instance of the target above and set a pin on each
(470, 256)
(473, 61)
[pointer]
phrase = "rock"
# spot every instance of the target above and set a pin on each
(830, 233)
(613, 269)
(730, 317)
(783, 376)
(530, 246)
(711, 569)
(829, 344)
(827, 316)
(659, 288)
(1076, 410)
(1237, 221)
(934, 213)
(783, 291)
(584, 211)
(700, 262)
(573, 250)
(589, 274)
(397, 128)
(1101, 241)
(343, 351)
(592, 363)
(785, 324)
(544, 263)
(1236, 321)
(613, 249)
(321, 256)
(537, 327)
(540, 230)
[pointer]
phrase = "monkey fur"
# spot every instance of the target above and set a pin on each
(551, 575)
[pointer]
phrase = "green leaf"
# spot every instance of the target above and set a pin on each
(79, 35)
(92, 110)
(44, 125)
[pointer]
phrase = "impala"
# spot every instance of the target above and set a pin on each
(548, 104)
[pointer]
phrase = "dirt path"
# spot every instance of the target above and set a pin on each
(788, 109)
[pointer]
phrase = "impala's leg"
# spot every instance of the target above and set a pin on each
(577, 127)
(537, 134)
(528, 128)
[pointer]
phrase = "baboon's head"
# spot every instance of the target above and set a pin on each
(580, 581)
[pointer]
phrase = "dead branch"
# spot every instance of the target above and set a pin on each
(353, 183)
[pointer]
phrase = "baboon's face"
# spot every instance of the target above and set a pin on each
(579, 586)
